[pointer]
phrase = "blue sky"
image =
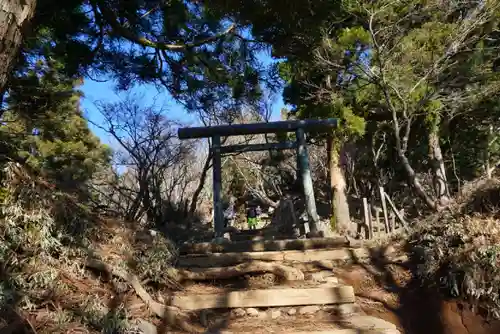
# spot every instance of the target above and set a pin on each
(95, 91)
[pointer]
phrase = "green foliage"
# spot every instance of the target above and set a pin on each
(427, 69)
(110, 323)
(186, 47)
(351, 125)
(156, 260)
(49, 131)
(4, 194)
(300, 72)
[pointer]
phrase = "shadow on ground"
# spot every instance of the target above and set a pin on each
(415, 308)
(388, 290)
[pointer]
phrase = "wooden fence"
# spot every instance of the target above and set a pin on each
(389, 222)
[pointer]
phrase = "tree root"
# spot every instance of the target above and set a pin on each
(285, 272)
(173, 315)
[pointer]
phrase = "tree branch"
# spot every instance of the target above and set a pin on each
(128, 34)
(172, 314)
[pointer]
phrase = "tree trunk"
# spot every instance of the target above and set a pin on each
(262, 196)
(147, 202)
(414, 182)
(340, 216)
(133, 212)
(140, 203)
(210, 274)
(201, 184)
(401, 144)
(439, 180)
(489, 168)
(15, 16)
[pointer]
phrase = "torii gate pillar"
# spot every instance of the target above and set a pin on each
(299, 127)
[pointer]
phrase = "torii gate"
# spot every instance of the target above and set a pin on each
(298, 126)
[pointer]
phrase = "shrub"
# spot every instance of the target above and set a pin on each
(458, 250)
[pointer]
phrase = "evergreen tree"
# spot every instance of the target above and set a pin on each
(294, 34)
(410, 70)
(55, 141)
(15, 17)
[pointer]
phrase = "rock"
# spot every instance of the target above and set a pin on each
(160, 298)
(309, 309)
(102, 309)
(239, 312)
(121, 287)
(365, 322)
(291, 311)
(345, 310)
(220, 240)
(329, 282)
(146, 327)
(321, 276)
(318, 277)
(275, 314)
(332, 279)
(253, 312)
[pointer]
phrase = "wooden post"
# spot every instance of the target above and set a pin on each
(370, 221)
(293, 218)
(305, 172)
(367, 219)
(216, 132)
(217, 188)
(377, 220)
(384, 209)
(396, 212)
(255, 128)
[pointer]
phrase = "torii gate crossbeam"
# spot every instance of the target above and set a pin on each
(297, 126)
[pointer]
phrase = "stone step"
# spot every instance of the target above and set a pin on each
(357, 324)
(266, 245)
(249, 232)
(238, 238)
(230, 259)
(266, 298)
(262, 234)
(148, 328)
(332, 331)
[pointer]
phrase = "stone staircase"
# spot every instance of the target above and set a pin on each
(303, 295)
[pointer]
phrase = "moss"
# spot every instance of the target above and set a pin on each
(4, 194)
(333, 223)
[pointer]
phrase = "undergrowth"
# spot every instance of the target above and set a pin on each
(45, 238)
(458, 250)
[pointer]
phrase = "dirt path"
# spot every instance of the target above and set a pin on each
(389, 293)
(385, 291)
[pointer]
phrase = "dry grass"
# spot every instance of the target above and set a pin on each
(45, 239)
(458, 250)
